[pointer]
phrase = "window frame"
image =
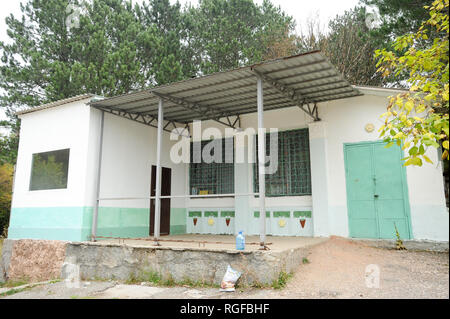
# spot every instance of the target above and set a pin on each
(30, 189)
(219, 170)
(289, 179)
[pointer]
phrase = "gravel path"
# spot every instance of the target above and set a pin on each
(336, 269)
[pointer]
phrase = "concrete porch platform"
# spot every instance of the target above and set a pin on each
(182, 261)
(179, 261)
(219, 242)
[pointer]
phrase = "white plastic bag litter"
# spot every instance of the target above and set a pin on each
(229, 280)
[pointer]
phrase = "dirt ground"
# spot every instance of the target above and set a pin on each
(337, 268)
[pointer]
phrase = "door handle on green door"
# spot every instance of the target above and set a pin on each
(374, 186)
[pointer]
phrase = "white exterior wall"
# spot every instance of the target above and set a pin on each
(346, 120)
(345, 123)
(60, 213)
(56, 128)
(284, 119)
(129, 151)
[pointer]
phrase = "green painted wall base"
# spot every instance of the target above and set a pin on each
(177, 229)
(123, 222)
(55, 223)
(74, 223)
(177, 221)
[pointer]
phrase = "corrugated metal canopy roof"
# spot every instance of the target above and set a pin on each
(291, 81)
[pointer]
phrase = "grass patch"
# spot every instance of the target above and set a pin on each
(282, 280)
(197, 284)
(22, 282)
(255, 284)
(13, 291)
(305, 260)
(278, 283)
(16, 290)
(157, 279)
(146, 276)
(13, 283)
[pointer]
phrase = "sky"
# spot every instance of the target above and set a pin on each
(301, 10)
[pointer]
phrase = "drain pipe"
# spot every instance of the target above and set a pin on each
(97, 186)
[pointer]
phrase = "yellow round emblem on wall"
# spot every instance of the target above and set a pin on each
(210, 222)
(282, 223)
(369, 128)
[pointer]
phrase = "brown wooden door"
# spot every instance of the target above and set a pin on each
(165, 203)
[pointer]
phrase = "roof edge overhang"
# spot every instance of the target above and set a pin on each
(56, 103)
(379, 90)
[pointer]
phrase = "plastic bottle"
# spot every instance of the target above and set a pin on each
(240, 241)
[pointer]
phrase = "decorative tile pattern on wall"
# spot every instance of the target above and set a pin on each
(302, 217)
(295, 221)
(285, 222)
(211, 221)
(256, 214)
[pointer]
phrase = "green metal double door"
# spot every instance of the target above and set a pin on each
(377, 195)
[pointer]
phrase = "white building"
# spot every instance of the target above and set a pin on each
(334, 175)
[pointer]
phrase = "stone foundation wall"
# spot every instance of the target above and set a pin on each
(115, 261)
(5, 259)
(39, 260)
(32, 260)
